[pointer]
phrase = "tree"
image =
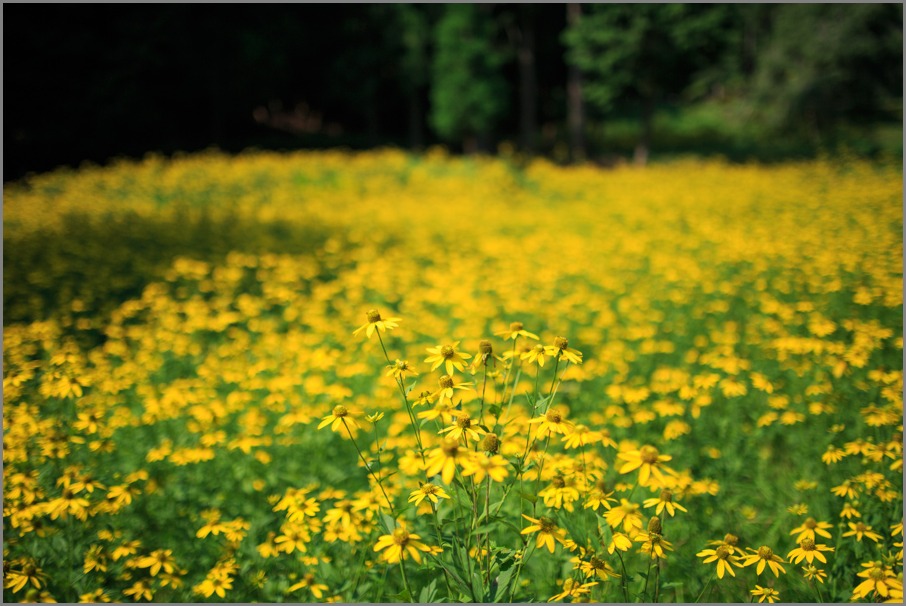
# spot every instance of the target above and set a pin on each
(640, 53)
(823, 64)
(468, 91)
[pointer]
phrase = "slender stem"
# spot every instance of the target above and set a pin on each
(657, 580)
(623, 577)
(647, 575)
(705, 588)
(818, 590)
(406, 581)
(439, 541)
(484, 385)
(487, 521)
(554, 378)
(368, 468)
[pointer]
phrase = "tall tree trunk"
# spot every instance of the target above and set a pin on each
(575, 106)
(528, 85)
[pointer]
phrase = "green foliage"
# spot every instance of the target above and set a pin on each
(468, 92)
(826, 62)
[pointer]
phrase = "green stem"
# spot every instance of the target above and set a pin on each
(484, 385)
(402, 388)
(657, 580)
(705, 588)
(623, 577)
(406, 581)
(368, 468)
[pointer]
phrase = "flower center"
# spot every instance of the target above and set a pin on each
(464, 421)
(666, 496)
(373, 316)
(810, 523)
(491, 443)
(400, 537)
(515, 326)
(722, 552)
(596, 563)
(547, 524)
(765, 553)
(561, 343)
(649, 454)
(654, 525)
(484, 347)
(429, 489)
(445, 382)
(558, 482)
(807, 545)
(450, 448)
(553, 416)
(446, 352)
(731, 539)
(877, 574)
(860, 527)
(340, 411)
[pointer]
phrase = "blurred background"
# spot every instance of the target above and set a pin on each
(607, 83)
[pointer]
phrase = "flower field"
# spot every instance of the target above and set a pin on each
(377, 377)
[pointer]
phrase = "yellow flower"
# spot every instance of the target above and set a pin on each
(340, 419)
(648, 461)
(560, 493)
(141, 590)
(308, 582)
(724, 558)
(447, 356)
(626, 513)
(463, 428)
(849, 511)
(653, 543)
(581, 435)
(515, 331)
(765, 593)
(562, 351)
(573, 589)
(443, 460)
(859, 530)
(810, 551)
(400, 369)
(664, 501)
(375, 322)
(599, 496)
(535, 354)
(619, 541)
(552, 422)
(447, 384)
(26, 572)
(878, 579)
(594, 567)
(214, 584)
(547, 530)
(812, 573)
(764, 555)
(159, 558)
(480, 465)
(430, 491)
(811, 527)
(398, 544)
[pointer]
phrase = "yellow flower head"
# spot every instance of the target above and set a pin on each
(376, 323)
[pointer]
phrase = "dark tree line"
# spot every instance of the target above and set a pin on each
(96, 81)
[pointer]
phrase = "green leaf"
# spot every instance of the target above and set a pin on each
(428, 594)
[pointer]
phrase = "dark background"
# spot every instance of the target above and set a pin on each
(93, 82)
